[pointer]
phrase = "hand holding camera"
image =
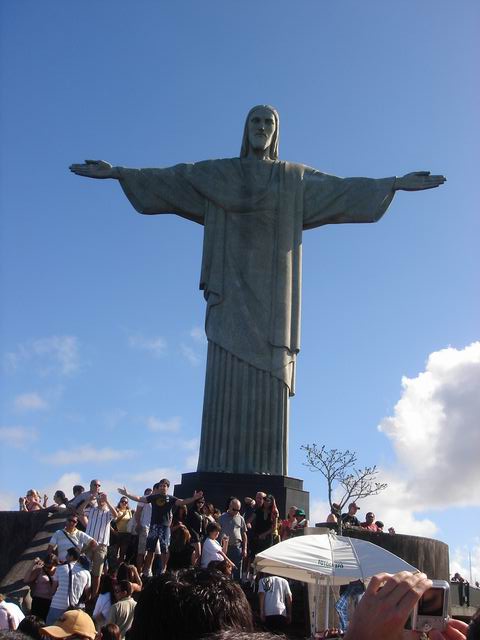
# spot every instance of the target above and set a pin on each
(392, 600)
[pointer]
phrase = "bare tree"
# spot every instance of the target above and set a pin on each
(338, 468)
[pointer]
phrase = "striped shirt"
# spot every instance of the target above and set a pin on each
(98, 526)
(67, 594)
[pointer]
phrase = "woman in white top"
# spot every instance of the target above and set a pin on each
(104, 601)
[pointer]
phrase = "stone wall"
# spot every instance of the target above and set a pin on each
(17, 530)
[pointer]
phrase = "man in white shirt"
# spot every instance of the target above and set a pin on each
(143, 516)
(234, 530)
(275, 602)
(68, 537)
(86, 496)
(70, 582)
(98, 528)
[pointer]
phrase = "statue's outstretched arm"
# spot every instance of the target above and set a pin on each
(95, 169)
(417, 181)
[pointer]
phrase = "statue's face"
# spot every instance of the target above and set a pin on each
(261, 127)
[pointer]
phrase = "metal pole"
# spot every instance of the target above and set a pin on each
(327, 604)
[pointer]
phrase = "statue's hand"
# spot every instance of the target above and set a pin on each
(417, 181)
(94, 169)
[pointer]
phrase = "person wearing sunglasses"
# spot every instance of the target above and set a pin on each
(98, 527)
(63, 539)
(234, 532)
(89, 497)
(196, 524)
(122, 527)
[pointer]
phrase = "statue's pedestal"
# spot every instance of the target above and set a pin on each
(218, 487)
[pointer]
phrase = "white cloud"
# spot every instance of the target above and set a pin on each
(319, 510)
(156, 346)
(172, 425)
(64, 483)
(18, 437)
(435, 435)
(87, 453)
(150, 476)
(194, 354)
(198, 334)
(191, 461)
(398, 507)
(435, 430)
(32, 401)
(114, 417)
(190, 355)
(53, 355)
(191, 444)
(8, 501)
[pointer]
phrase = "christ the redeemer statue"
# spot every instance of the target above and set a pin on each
(254, 210)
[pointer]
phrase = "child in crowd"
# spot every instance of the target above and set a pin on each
(212, 549)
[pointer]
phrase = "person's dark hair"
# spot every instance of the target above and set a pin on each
(180, 514)
(106, 584)
(51, 559)
(179, 538)
(273, 150)
(125, 571)
(120, 502)
(188, 604)
(220, 565)
(273, 511)
(213, 526)
(110, 632)
(210, 508)
(473, 632)
(61, 496)
(164, 481)
(78, 489)
(125, 585)
(83, 561)
(31, 625)
(197, 506)
(234, 634)
(73, 552)
(122, 571)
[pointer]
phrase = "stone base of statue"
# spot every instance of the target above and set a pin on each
(218, 487)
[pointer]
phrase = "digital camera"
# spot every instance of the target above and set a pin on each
(431, 611)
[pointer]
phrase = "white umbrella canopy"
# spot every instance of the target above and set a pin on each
(340, 559)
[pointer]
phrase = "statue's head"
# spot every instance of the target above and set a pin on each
(261, 131)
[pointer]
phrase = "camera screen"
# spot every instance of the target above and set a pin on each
(431, 603)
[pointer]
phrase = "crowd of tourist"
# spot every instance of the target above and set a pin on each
(155, 566)
(349, 519)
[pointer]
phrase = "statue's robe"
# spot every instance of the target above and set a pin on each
(254, 213)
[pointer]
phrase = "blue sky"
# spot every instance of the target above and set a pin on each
(101, 329)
